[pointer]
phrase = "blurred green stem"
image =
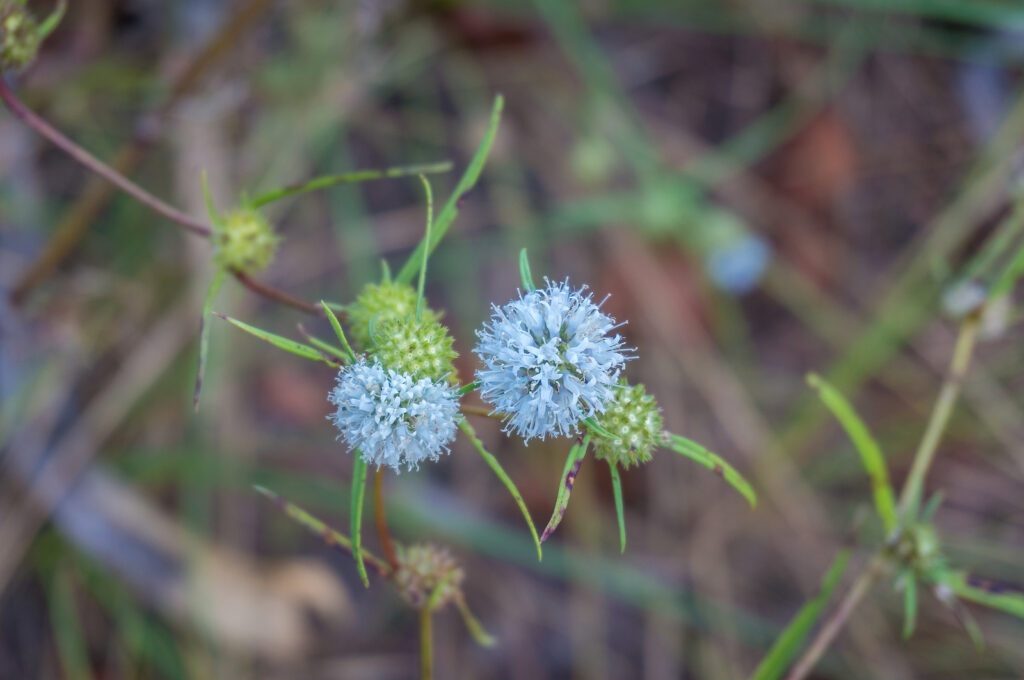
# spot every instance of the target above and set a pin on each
(909, 498)
(426, 645)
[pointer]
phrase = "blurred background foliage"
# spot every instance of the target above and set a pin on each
(764, 188)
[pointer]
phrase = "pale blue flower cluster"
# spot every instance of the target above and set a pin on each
(392, 418)
(551, 360)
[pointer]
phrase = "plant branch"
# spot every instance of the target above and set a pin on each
(277, 295)
(382, 520)
(69, 147)
(426, 645)
(910, 497)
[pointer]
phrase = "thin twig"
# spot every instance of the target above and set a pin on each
(382, 520)
(97, 192)
(99, 167)
(277, 295)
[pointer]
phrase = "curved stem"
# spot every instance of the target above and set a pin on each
(426, 645)
(382, 519)
(96, 165)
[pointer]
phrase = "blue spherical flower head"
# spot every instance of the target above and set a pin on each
(551, 360)
(392, 418)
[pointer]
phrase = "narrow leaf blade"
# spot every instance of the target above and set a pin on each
(450, 210)
(565, 484)
(204, 333)
(359, 470)
(524, 271)
(698, 453)
(288, 345)
(348, 178)
(870, 452)
(619, 511)
(338, 331)
(495, 466)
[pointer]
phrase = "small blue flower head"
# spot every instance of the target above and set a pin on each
(550, 359)
(392, 418)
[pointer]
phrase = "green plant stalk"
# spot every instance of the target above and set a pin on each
(910, 497)
(426, 645)
(911, 489)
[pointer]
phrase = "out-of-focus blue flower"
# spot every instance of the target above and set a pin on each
(550, 359)
(737, 267)
(392, 418)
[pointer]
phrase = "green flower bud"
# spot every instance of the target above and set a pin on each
(379, 303)
(424, 568)
(19, 36)
(244, 241)
(419, 347)
(635, 420)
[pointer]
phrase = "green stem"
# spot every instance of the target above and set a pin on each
(910, 498)
(426, 645)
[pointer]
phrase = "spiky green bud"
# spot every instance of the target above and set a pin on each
(419, 347)
(244, 241)
(635, 420)
(427, 575)
(379, 303)
(19, 36)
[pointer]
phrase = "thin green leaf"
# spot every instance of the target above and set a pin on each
(204, 332)
(348, 178)
(359, 470)
(476, 630)
(792, 637)
(426, 252)
(331, 537)
(385, 271)
(619, 512)
(595, 428)
(51, 22)
(909, 604)
(326, 347)
(338, 330)
(495, 466)
(211, 209)
(696, 452)
(288, 345)
(869, 450)
(572, 467)
(468, 387)
(930, 507)
(524, 271)
(438, 591)
(1008, 601)
(451, 210)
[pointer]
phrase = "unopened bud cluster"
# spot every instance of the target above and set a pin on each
(417, 346)
(377, 305)
(634, 420)
(427, 571)
(245, 241)
(19, 36)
